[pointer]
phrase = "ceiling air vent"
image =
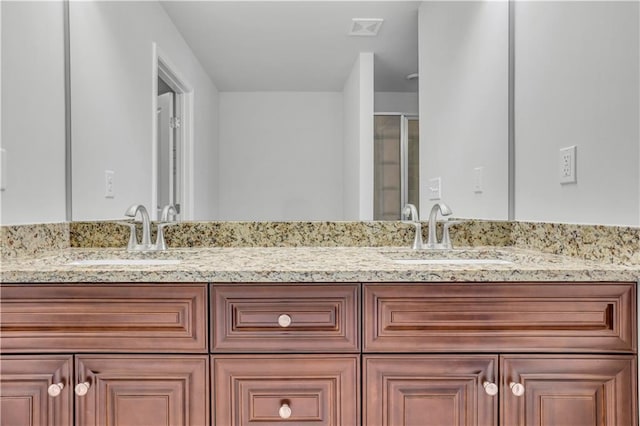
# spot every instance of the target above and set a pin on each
(367, 27)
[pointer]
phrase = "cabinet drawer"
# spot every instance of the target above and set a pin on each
(288, 389)
(113, 317)
(500, 317)
(285, 318)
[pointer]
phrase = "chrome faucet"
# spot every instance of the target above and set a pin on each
(411, 213)
(169, 209)
(432, 239)
(146, 229)
(146, 245)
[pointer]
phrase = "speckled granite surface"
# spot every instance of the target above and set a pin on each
(290, 234)
(315, 264)
(29, 240)
(610, 244)
(592, 242)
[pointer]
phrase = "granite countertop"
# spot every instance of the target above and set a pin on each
(313, 264)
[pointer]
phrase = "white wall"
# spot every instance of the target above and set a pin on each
(280, 156)
(33, 112)
(358, 101)
(463, 66)
(577, 83)
(111, 88)
(406, 102)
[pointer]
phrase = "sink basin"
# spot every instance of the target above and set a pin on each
(452, 262)
(449, 257)
(124, 262)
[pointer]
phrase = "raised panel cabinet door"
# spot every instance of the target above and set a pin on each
(36, 390)
(430, 390)
(125, 318)
(286, 390)
(500, 317)
(137, 390)
(547, 390)
(285, 318)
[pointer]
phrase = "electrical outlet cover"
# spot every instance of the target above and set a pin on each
(568, 164)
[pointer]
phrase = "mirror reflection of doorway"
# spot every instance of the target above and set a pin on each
(168, 149)
(172, 142)
(396, 164)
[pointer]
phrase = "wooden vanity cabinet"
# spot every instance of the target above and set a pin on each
(36, 390)
(567, 354)
(429, 390)
(285, 318)
(286, 354)
(153, 366)
(286, 389)
(569, 390)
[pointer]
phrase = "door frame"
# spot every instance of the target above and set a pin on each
(164, 68)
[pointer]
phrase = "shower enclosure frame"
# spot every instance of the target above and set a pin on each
(404, 153)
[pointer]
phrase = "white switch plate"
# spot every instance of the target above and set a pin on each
(568, 164)
(435, 188)
(477, 179)
(108, 184)
(3, 171)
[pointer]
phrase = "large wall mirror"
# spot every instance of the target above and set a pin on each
(267, 110)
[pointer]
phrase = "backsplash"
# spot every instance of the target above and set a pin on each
(617, 244)
(29, 240)
(290, 234)
(593, 242)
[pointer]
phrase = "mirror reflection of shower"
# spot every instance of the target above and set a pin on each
(167, 182)
(396, 164)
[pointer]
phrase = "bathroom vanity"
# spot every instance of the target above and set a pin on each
(331, 336)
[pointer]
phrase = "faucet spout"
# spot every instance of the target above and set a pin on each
(432, 240)
(146, 224)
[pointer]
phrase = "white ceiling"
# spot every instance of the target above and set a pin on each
(297, 45)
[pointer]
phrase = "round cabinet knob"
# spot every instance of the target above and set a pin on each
(284, 320)
(285, 411)
(516, 388)
(82, 388)
(490, 388)
(55, 389)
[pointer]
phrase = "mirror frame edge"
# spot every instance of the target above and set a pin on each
(67, 111)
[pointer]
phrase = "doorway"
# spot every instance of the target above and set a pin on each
(172, 167)
(168, 180)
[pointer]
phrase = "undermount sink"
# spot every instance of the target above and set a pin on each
(125, 262)
(448, 257)
(452, 262)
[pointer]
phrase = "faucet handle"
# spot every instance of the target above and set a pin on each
(446, 238)
(161, 244)
(133, 239)
(168, 210)
(410, 212)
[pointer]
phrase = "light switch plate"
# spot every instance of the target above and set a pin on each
(435, 188)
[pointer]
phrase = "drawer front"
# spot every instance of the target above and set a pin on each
(288, 389)
(285, 318)
(113, 317)
(500, 317)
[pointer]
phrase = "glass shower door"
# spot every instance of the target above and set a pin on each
(396, 169)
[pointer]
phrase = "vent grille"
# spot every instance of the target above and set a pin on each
(365, 27)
